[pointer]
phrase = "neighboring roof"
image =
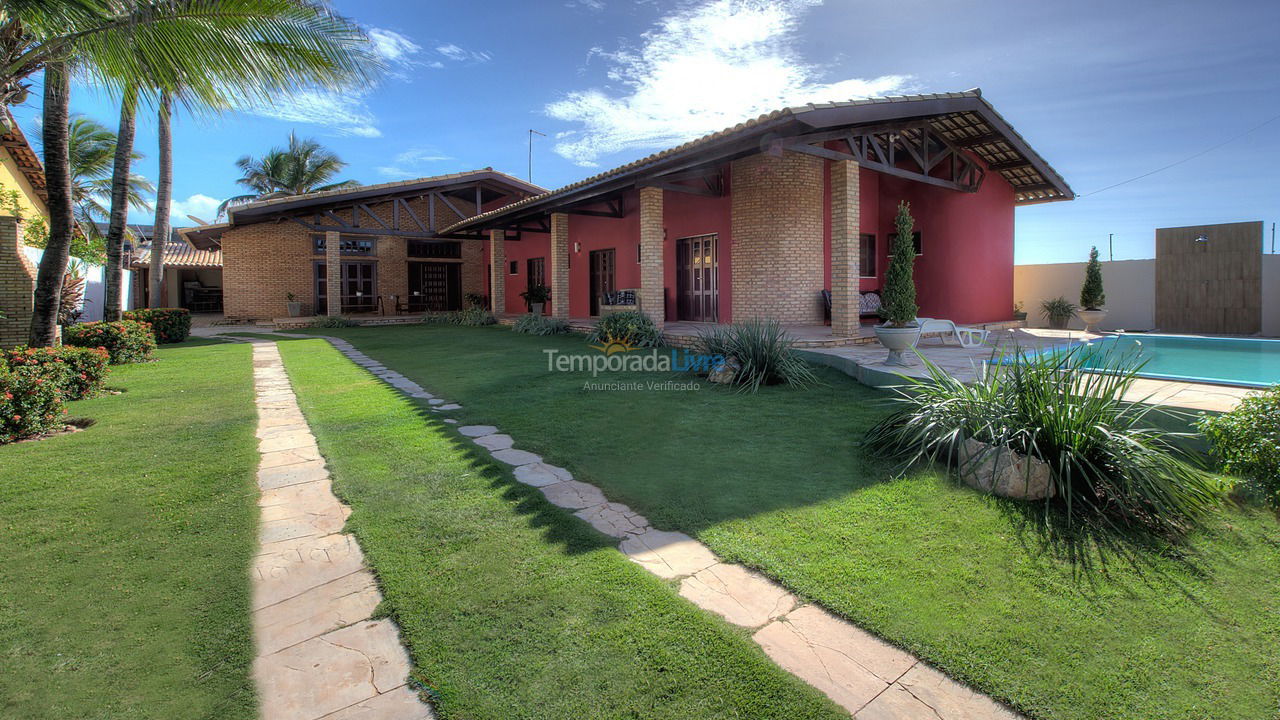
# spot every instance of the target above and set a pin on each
(958, 117)
(24, 156)
(177, 253)
(143, 232)
(248, 211)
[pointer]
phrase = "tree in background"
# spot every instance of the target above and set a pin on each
(304, 166)
(1091, 295)
(220, 53)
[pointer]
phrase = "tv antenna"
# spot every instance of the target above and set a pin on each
(532, 132)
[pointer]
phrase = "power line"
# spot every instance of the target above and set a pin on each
(1188, 158)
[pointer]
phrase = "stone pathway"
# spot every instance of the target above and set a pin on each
(868, 677)
(319, 653)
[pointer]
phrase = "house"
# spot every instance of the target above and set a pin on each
(754, 221)
(24, 199)
(388, 250)
(192, 277)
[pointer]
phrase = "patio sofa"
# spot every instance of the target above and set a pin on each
(625, 300)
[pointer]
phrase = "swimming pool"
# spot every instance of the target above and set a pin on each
(1251, 362)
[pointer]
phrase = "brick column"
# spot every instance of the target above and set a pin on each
(652, 293)
(333, 272)
(560, 265)
(498, 271)
(17, 285)
(844, 249)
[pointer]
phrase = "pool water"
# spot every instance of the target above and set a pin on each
(1226, 361)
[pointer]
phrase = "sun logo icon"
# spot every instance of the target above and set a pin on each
(613, 345)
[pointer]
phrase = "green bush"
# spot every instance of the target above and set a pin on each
(472, 316)
(170, 325)
(86, 367)
(32, 399)
(762, 351)
(541, 325)
(333, 321)
(1109, 460)
(632, 327)
(1246, 441)
(127, 341)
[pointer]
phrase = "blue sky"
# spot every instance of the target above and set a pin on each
(1106, 91)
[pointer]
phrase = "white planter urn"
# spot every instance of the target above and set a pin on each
(1091, 319)
(898, 340)
(536, 308)
(295, 309)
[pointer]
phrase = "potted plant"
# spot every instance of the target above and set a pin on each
(1091, 295)
(536, 298)
(1019, 313)
(1058, 312)
(295, 307)
(900, 332)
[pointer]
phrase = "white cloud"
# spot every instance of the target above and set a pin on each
(397, 51)
(409, 163)
(199, 205)
(593, 5)
(449, 51)
(700, 70)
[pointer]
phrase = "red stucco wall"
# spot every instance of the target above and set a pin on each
(686, 215)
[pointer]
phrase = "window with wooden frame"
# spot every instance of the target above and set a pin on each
(347, 244)
(867, 256)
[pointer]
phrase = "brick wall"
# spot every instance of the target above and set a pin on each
(652, 294)
(844, 248)
(498, 270)
(17, 283)
(777, 225)
(558, 265)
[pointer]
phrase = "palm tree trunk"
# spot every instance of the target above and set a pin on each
(119, 205)
(164, 189)
(57, 171)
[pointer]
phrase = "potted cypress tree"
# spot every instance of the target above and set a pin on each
(1091, 295)
(900, 332)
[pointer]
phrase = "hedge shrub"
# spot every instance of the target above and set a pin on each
(632, 327)
(32, 399)
(86, 367)
(1247, 442)
(541, 325)
(127, 341)
(170, 325)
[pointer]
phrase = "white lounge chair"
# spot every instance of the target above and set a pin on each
(967, 337)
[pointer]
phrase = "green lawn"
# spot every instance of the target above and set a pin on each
(778, 481)
(511, 606)
(124, 586)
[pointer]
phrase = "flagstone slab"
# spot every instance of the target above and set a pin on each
(511, 456)
(401, 703)
(287, 441)
(271, 431)
(311, 679)
(821, 628)
(330, 606)
(292, 456)
(737, 594)
(291, 567)
(422, 395)
(270, 478)
(573, 495)
(297, 497)
(896, 703)
(435, 401)
(322, 521)
(475, 431)
(449, 406)
(838, 676)
(949, 699)
(667, 554)
(497, 441)
(613, 519)
(539, 474)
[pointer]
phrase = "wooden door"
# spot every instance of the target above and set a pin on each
(438, 287)
(359, 289)
(602, 277)
(697, 285)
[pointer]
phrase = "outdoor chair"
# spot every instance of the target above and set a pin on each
(868, 304)
(967, 337)
(619, 301)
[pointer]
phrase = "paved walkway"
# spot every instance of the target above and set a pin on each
(868, 677)
(319, 653)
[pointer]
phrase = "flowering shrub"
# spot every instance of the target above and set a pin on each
(127, 341)
(86, 367)
(31, 399)
(170, 325)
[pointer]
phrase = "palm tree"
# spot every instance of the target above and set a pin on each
(118, 215)
(305, 166)
(160, 230)
(219, 52)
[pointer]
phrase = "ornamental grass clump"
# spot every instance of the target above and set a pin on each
(1108, 460)
(1246, 441)
(762, 352)
(631, 327)
(126, 341)
(540, 325)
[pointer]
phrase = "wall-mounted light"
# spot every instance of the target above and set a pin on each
(1202, 239)
(577, 247)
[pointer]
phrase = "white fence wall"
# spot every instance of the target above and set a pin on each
(94, 291)
(1130, 286)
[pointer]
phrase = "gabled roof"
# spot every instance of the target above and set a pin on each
(24, 156)
(249, 212)
(177, 253)
(965, 118)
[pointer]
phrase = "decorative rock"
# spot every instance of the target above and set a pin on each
(1003, 472)
(475, 431)
(492, 442)
(511, 456)
(737, 594)
(539, 474)
(725, 373)
(573, 495)
(614, 519)
(667, 554)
